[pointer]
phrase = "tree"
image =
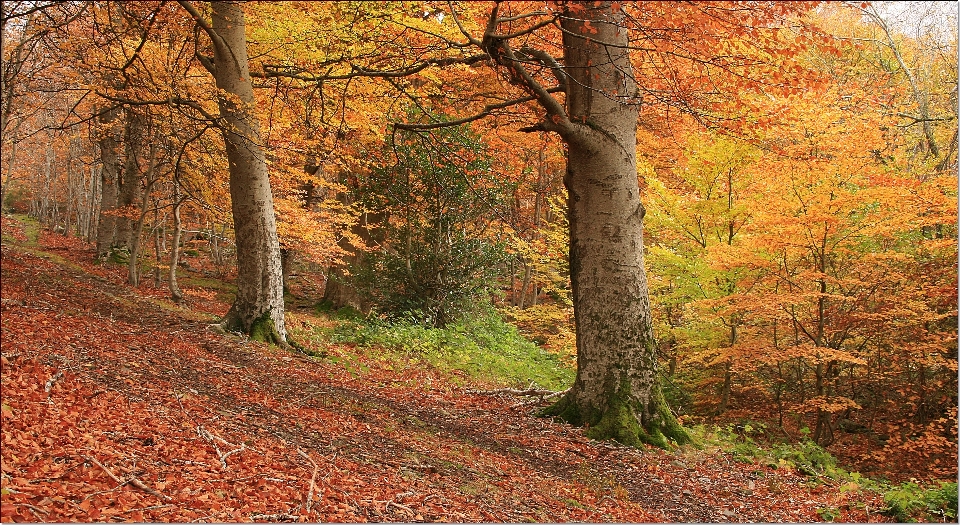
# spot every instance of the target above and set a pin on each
(258, 309)
(687, 61)
(438, 258)
(615, 393)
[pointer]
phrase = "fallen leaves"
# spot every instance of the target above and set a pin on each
(154, 418)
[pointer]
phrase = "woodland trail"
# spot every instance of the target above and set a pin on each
(119, 405)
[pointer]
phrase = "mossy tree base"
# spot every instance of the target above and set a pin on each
(262, 329)
(621, 422)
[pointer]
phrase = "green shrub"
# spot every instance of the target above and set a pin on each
(808, 458)
(440, 252)
(909, 501)
(828, 513)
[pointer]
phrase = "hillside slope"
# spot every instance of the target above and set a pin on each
(119, 405)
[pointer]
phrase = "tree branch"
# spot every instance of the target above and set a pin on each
(486, 112)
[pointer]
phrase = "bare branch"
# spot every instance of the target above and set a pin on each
(486, 112)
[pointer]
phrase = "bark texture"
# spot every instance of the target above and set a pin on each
(109, 181)
(616, 392)
(135, 159)
(258, 309)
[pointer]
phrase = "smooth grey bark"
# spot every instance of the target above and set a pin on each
(616, 392)
(258, 309)
(175, 293)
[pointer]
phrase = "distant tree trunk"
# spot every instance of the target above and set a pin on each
(109, 182)
(9, 163)
(175, 292)
(133, 268)
(616, 393)
(258, 309)
(340, 290)
(728, 371)
(129, 192)
(158, 234)
(287, 257)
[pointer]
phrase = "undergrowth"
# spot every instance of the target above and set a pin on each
(484, 346)
(905, 502)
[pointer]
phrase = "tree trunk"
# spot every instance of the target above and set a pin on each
(128, 196)
(133, 267)
(258, 309)
(175, 292)
(109, 182)
(616, 393)
(340, 291)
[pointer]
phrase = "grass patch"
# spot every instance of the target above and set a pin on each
(484, 347)
(906, 502)
(30, 229)
(909, 502)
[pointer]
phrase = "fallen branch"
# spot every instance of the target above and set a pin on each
(399, 506)
(152, 507)
(213, 438)
(541, 393)
(282, 516)
(52, 381)
(313, 479)
(105, 469)
(133, 479)
(35, 510)
(142, 486)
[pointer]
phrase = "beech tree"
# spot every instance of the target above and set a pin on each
(258, 309)
(615, 392)
(573, 67)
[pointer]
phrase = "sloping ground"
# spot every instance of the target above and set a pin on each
(118, 406)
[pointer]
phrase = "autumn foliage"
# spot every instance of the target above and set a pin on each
(798, 170)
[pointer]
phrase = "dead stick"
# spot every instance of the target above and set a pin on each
(105, 469)
(313, 478)
(133, 480)
(540, 392)
(142, 486)
(52, 381)
(275, 517)
(202, 432)
(399, 506)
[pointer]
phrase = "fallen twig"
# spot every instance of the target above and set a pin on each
(213, 438)
(35, 510)
(313, 479)
(152, 507)
(105, 469)
(142, 486)
(133, 479)
(399, 506)
(541, 393)
(281, 516)
(52, 381)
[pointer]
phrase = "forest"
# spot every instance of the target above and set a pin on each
(479, 261)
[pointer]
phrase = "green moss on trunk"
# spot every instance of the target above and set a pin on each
(265, 330)
(619, 421)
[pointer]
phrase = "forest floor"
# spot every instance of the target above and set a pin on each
(118, 405)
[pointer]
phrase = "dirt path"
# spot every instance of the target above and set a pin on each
(119, 406)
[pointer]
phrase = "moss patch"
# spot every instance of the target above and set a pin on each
(265, 330)
(619, 422)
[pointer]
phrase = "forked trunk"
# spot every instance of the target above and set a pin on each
(616, 392)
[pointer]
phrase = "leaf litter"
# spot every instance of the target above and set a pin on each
(119, 406)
